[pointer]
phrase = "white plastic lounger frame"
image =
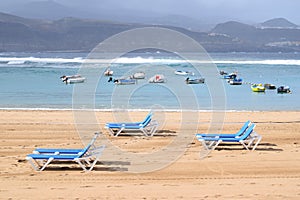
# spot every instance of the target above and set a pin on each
(148, 127)
(66, 151)
(40, 161)
(247, 139)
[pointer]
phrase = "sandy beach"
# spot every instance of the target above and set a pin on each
(272, 171)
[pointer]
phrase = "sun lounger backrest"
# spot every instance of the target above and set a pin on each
(243, 129)
(248, 132)
(147, 121)
(149, 116)
(84, 150)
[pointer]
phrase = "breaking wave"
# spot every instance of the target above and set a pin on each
(23, 61)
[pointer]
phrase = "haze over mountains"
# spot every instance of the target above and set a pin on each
(45, 27)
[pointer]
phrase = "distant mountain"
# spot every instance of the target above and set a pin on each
(52, 10)
(261, 38)
(181, 21)
(12, 18)
(234, 29)
(278, 23)
(73, 34)
(49, 9)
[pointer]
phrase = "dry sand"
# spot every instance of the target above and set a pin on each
(230, 172)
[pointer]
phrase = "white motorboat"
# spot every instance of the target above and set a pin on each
(138, 75)
(108, 72)
(75, 80)
(71, 76)
(158, 78)
(183, 73)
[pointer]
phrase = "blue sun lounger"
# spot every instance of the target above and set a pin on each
(247, 139)
(86, 158)
(148, 127)
(66, 151)
(237, 134)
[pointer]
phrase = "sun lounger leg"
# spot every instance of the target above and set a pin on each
(204, 144)
(111, 132)
(211, 145)
(243, 143)
(121, 129)
(216, 144)
(153, 130)
(33, 163)
(145, 131)
(97, 155)
(46, 164)
(81, 164)
(258, 141)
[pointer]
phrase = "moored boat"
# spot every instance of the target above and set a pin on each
(108, 72)
(138, 75)
(270, 86)
(75, 80)
(283, 89)
(122, 81)
(70, 76)
(258, 88)
(230, 76)
(236, 81)
(158, 78)
(222, 72)
(183, 73)
(194, 81)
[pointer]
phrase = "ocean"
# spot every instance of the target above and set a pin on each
(32, 81)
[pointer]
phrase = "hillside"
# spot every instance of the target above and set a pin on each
(264, 39)
(278, 23)
(72, 34)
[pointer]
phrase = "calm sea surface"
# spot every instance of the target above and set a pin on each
(32, 81)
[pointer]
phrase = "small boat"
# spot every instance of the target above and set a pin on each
(258, 88)
(71, 76)
(230, 76)
(74, 80)
(283, 89)
(183, 73)
(236, 81)
(123, 81)
(108, 72)
(158, 78)
(138, 75)
(77, 78)
(194, 81)
(223, 72)
(270, 86)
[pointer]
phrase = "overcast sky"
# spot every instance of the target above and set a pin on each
(242, 10)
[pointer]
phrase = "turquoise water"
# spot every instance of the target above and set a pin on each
(31, 81)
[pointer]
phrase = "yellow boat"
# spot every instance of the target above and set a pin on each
(258, 88)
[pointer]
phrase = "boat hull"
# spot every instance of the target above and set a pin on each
(157, 79)
(195, 81)
(283, 89)
(138, 75)
(183, 73)
(258, 88)
(269, 86)
(75, 80)
(235, 82)
(125, 81)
